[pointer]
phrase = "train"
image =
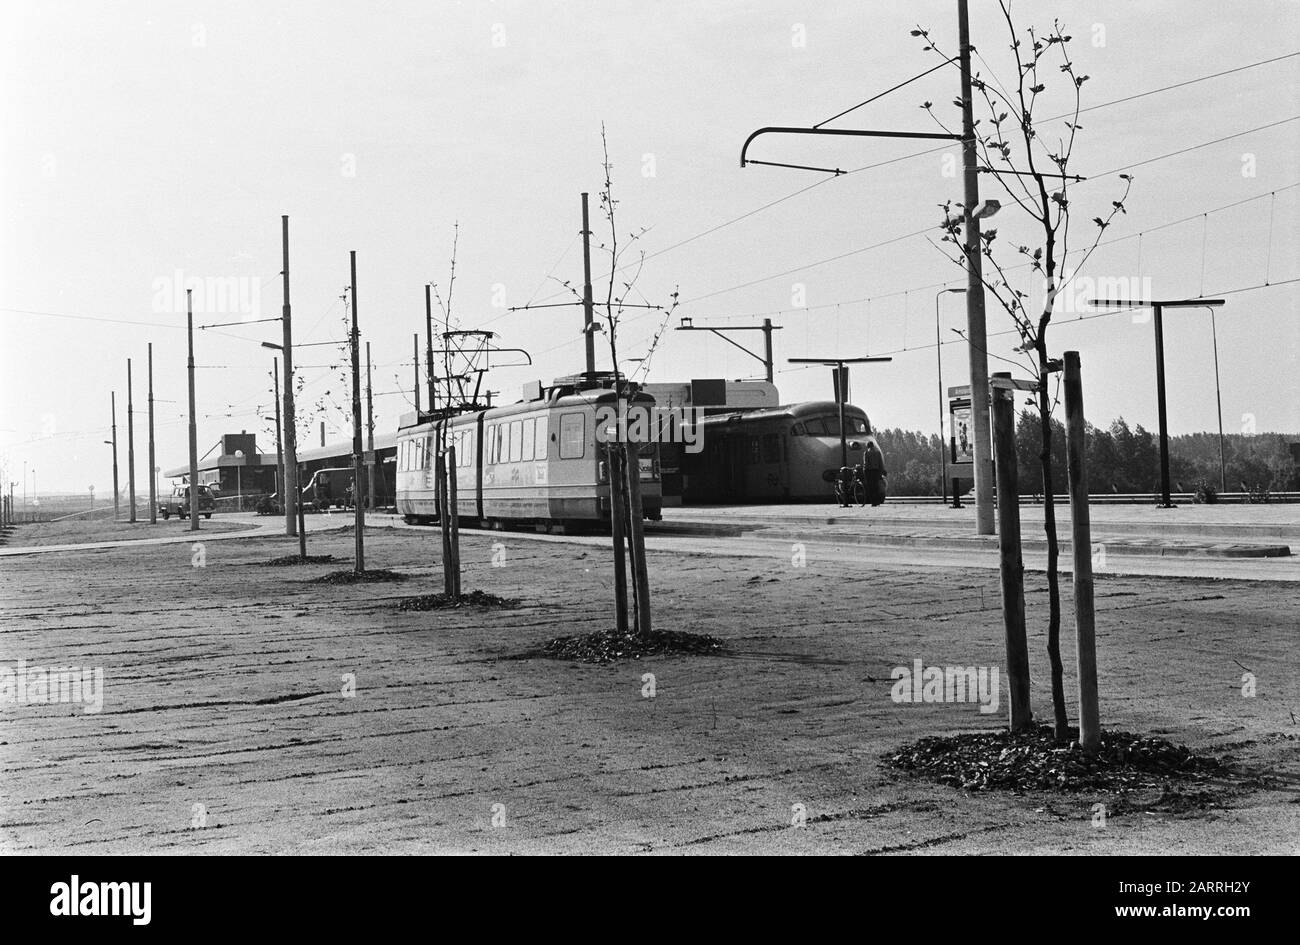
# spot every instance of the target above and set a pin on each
(540, 462)
(787, 453)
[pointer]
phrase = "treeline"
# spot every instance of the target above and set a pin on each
(1120, 459)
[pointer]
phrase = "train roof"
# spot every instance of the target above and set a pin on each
(807, 408)
(556, 399)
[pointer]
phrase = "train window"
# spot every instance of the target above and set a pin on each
(832, 426)
(797, 430)
(530, 431)
(856, 425)
(753, 449)
(572, 435)
(516, 440)
(771, 448)
(539, 451)
(815, 427)
(498, 441)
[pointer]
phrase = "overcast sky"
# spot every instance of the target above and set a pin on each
(146, 141)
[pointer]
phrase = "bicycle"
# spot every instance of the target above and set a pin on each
(851, 486)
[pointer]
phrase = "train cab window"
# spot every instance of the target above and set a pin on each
(816, 427)
(832, 426)
(573, 428)
(797, 430)
(530, 444)
(539, 451)
(856, 426)
(516, 440)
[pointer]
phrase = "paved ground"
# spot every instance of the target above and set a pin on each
(225, 727)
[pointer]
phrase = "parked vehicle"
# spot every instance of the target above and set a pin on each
(329, 487)
(782, 454)
(178, 503)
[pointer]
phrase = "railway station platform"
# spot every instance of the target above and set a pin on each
(1264, 530)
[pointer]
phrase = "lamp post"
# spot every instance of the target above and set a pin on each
(938, 360)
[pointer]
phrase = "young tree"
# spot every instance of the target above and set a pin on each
(625, 467)
(1029, 159)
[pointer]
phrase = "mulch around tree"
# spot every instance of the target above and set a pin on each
(608, 646)
(365, 577)
(445, 602)
(1126, 764)
(290, 560)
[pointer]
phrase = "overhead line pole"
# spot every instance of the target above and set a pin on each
(116, 493)
(292, 496)
(370, 437)
(588, 306)
(194, 430)
(130, 440)
(428, 354)
(360, 564)
(153, 476)
(976, 332)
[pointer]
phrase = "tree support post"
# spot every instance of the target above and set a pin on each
(1081, 549)
(1011, 566)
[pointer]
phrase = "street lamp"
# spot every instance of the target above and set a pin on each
(938, 360)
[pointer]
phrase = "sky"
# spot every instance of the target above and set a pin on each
(148, 145)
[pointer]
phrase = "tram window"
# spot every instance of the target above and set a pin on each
(530, 431)
(771, 448)
(572, 435)
(815, 427)
(539, 451)
(516, 440)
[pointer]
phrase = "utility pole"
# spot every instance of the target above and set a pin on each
(370, 437)
(416, 348)
(194, 430)
(291, 494)
(360, 565)
(688, 324)
(116, 493)
(130, 440)
(588, 307)
(976, 334)
(279, 450)
(767, 348)
(153, 479)
(428, 355)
